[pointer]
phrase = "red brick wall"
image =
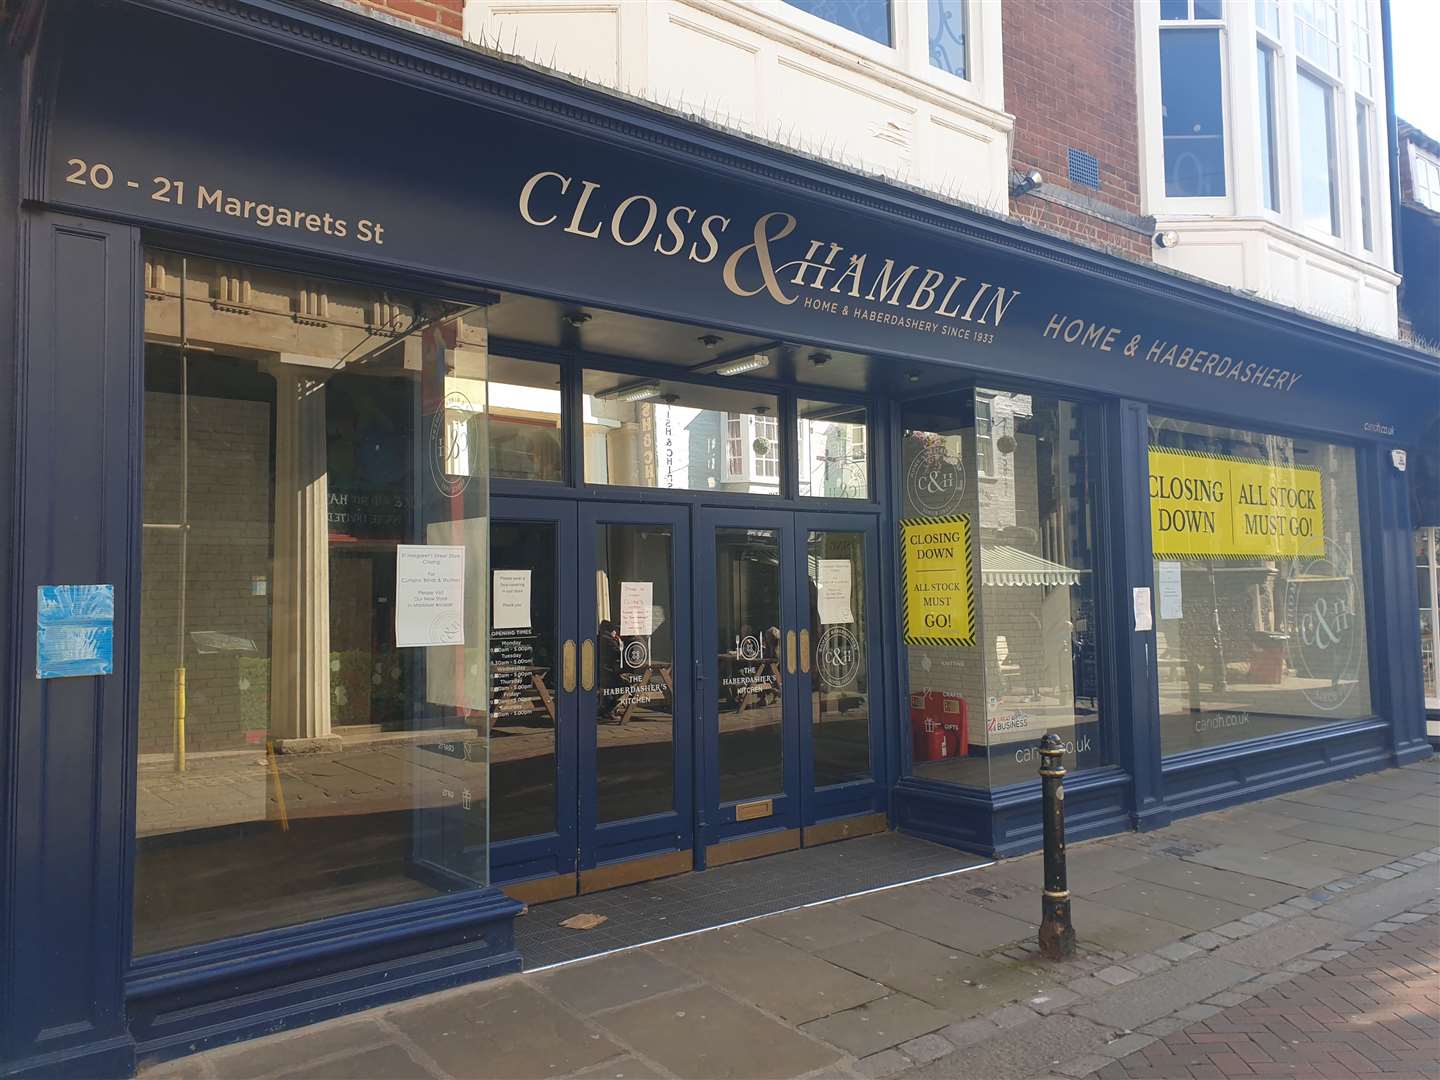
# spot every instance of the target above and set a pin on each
(442, 15)
(1070, 82)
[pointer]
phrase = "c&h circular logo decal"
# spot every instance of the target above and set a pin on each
(636, 655)
(454, 450)
(935, 480)
(749, 647)
(1322, 616)
(837, 657)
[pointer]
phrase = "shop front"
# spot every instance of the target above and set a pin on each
(440, 487)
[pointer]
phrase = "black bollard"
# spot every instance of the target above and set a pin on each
(1057, 936)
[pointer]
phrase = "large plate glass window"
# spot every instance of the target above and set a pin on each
(313, 610)
(1259, 584)
(526, 442)
(998, 585)
(1427, 583)
(654, 433)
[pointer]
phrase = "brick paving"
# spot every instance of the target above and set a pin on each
(1371, 1012)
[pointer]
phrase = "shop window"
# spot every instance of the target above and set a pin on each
(832, 451)
(1319, 180)
(947, 25)
(526, 440)
(1001, 630)
(1427, 582)
(312, 616)
(1193, 112)
(868, 18)
(1259, 587)
(654, 433)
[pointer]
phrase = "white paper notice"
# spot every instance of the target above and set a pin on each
(1143, 621)
(512, 600)
(429, 595)
(1167, 584)
(833, 587)
(637, 601)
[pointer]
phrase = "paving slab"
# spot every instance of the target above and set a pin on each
(1026, 877)
(870, 1028)
(944, 918)
(1264, 865)
(1173, 905)
(950, 979)
(1325, 815)
(502, 1033)
(704, 1033)
(1342, 860)
(1383, 900)
(1033, 1050)
(1140, 1002)
(1280, 944)
(261, 1057)
(1363, 840)
(820, 927)
(628, 1067)
(604, 983)
(790, 982)
(1192, 877)
(1099, 926)
(390, 1062)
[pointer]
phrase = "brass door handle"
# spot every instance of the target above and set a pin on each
(567, 666)
(790, 652)
(805, 651)
(587, 664)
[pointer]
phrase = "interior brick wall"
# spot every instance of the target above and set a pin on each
(1070, 82)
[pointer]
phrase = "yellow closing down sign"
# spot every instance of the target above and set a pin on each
(1227, 507)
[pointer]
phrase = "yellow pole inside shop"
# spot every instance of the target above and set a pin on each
(279, 788)
(180, 719)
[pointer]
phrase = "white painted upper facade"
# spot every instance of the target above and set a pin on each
(776, 71)
(1262, 224)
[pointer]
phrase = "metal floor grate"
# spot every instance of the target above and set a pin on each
(637, 914)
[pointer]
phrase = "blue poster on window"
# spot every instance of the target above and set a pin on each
(75, 631)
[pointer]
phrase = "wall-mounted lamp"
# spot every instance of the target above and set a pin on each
(1026, 183)
(1167, 239)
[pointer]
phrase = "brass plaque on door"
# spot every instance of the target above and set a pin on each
(749, 811)
(567, 666)
(587, 664)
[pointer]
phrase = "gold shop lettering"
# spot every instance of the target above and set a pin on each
(846, 279)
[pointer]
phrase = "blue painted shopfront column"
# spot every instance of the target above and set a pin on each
(1394, 644)
(67, 763)
(1136, 702)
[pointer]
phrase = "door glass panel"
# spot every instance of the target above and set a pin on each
(524, 655)
(839, 666)
(747, 623)
(634, 700)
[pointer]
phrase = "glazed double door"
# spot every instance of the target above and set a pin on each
(673, 687)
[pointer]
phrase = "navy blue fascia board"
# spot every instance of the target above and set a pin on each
(440, 217)
(350, 39)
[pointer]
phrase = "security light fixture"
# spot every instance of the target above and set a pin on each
(577, 319)
(629, 393)
(819, 359)
(741, 364)
(1167, 239)
(1026, 182)
(709, 340)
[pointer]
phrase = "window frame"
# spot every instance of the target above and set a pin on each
(1271, 124)
(1421, 159)
(1432, 567)
(1337, 152)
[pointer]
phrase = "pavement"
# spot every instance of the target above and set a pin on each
(1298, 936)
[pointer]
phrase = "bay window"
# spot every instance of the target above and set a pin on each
(1319, 186)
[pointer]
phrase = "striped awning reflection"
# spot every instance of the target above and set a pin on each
(1001, 564)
